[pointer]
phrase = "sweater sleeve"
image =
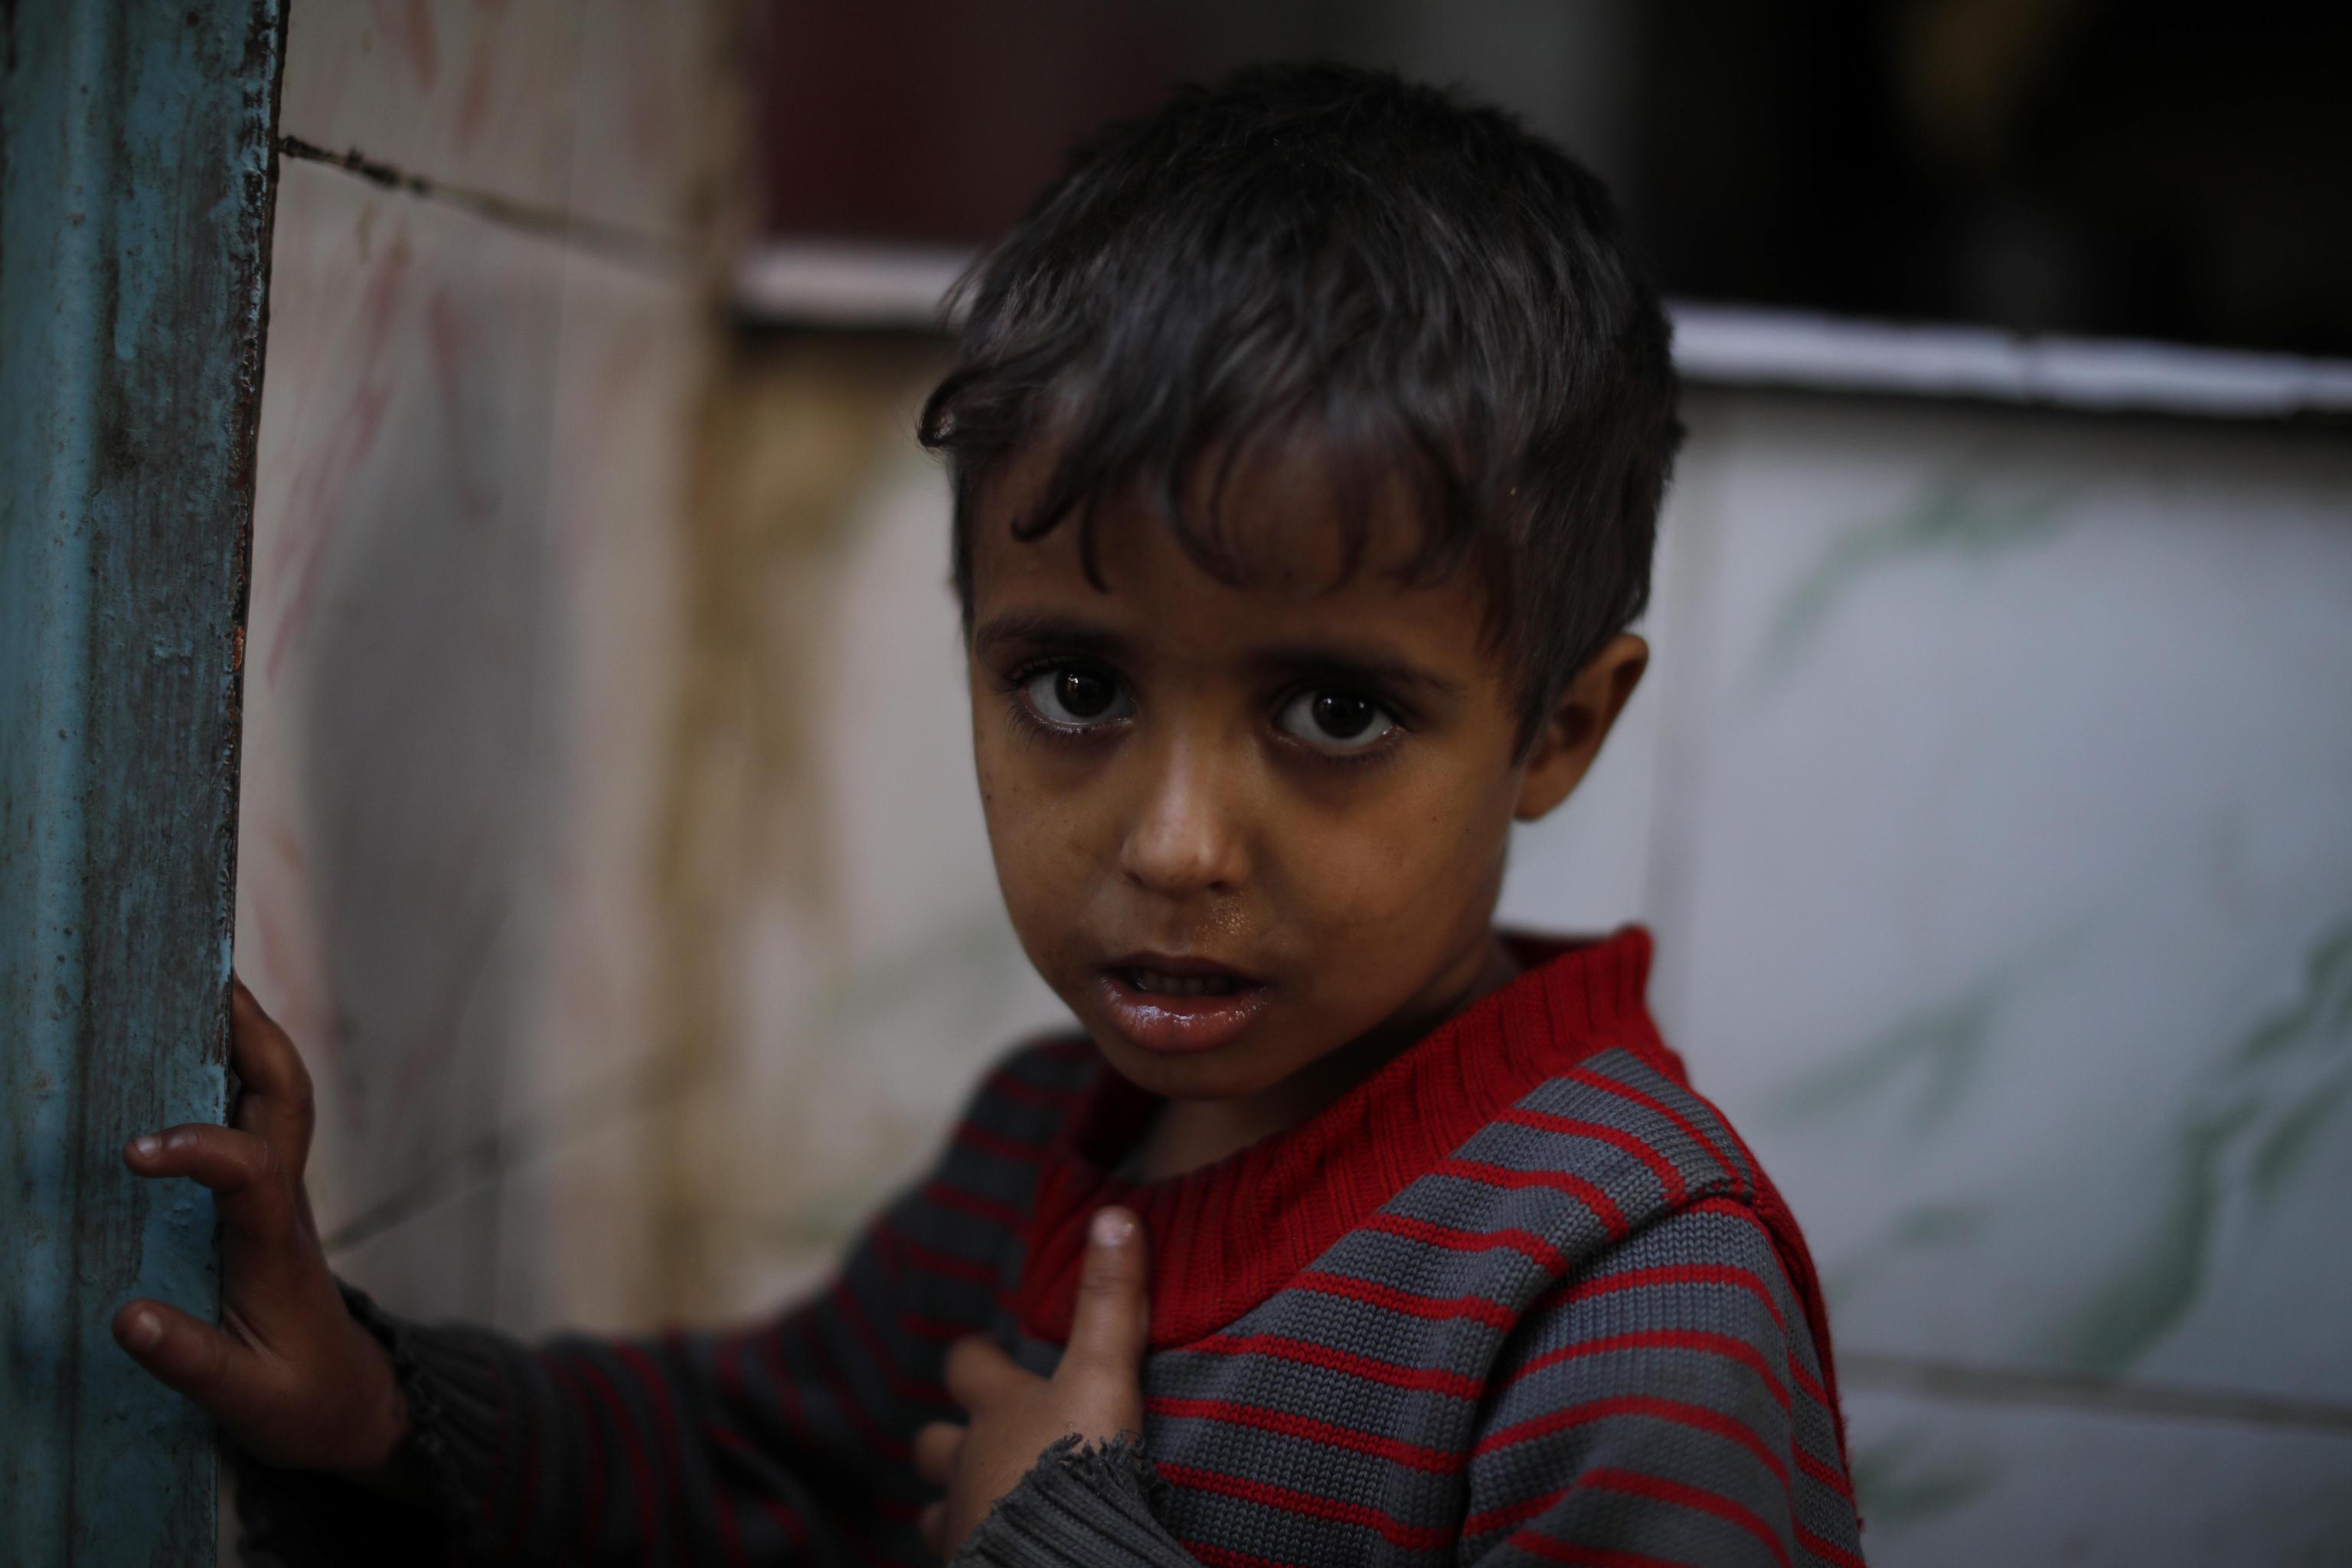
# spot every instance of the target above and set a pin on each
(785, 1442)
(1079, 1507)
(1663, 1405)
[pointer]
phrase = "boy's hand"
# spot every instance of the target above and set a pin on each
(1095, 1392)
(291, 1377)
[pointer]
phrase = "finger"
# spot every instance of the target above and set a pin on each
(1114, 1315)
(978, 1374)
(247, 1183)
(276, 1102)
(937, 1447)
(193, 1357)
(929, 1524)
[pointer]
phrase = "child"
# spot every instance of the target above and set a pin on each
(1307, 442)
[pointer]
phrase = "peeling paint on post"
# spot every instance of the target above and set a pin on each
(135, 195)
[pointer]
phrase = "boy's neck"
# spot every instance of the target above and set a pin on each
(1190, 1133)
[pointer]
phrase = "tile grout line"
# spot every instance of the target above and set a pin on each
(613, 242)
(2084, 1390)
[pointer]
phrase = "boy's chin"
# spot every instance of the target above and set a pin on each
(1231, 1071)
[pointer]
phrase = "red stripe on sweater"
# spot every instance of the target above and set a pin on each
(1681, 1494)
(673, 1465)
(789, 1404)
(853, 1312)
(1712, 1274)
(1540, 1545)
(1604, 1208)
(931, 1260)
(1689, 1129)
(1217, 1556)
(1493, 1314)
(940, 1330)
(527, 1503)
(1632, 1483)
(845, 1399)
(1307, 1429)
(1697, 1418)
(1677, 1274)
(1727, 1346)
(1828, 1551)
(1330, 1358)
(641, 1475)
(1004, 1086)
(1799, 1372)
(1660, 1166)
(1825, 1475)
(592, 1514)
(1806, 1383)
(786, 1517)
(723, 1501)
(1433, 1234)
(980, 1207)
(1307, 1505)
(996, 1143)
(1798, 1275)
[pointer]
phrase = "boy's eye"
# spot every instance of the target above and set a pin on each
(1074, 697)
(1335, 721)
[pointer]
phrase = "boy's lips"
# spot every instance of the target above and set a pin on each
(1170, 1004)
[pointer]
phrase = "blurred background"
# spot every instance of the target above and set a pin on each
(609, 840)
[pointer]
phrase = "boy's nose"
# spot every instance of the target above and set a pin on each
(1183, 838)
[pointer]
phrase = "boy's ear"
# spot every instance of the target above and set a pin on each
(1580, 722)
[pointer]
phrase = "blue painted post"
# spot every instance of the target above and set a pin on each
(135, 194)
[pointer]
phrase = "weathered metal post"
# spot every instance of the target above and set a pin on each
(135, 197)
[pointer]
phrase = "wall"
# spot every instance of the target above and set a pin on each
(1986, 798)
(488, 349)
(2004, 892)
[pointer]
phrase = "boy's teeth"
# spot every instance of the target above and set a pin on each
(1180, 984)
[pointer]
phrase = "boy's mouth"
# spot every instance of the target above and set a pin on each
(1162, 985)
(1161, 1002)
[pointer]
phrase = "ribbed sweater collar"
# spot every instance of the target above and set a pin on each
(1227, 1236)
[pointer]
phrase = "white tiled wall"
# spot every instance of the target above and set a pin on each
(2002, 876)
(464, 645)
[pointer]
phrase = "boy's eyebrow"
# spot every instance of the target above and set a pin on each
(1016, 626)
(1373, 666)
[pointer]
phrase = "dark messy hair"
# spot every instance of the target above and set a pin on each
(1417, 285)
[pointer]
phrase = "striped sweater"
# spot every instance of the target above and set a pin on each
(1520, 1297)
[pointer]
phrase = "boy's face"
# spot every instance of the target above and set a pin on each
(1240, 829)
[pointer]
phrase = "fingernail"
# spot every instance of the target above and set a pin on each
(147, 1146)
(146, 1328)
(1112, 1227)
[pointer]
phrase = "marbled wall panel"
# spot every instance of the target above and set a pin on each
(653, 77)
(442, 1263)
(2009, 910)
(567, 1218)
(626, 377)
(400, 669)
(1955, 1485)
(478, 97)
(878, 982)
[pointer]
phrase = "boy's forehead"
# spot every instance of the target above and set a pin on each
(1280, 514)
(1294, 600)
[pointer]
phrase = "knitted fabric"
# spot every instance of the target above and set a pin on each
(1520, 1297)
